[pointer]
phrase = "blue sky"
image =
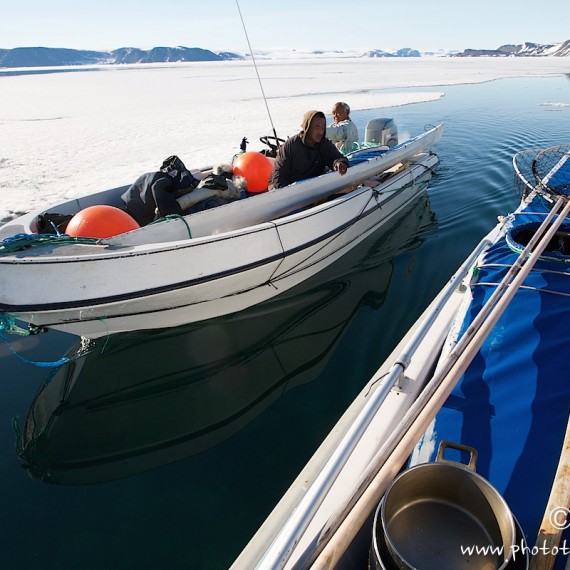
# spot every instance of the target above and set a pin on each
(331, 24)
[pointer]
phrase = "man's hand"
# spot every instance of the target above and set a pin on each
(341, 167)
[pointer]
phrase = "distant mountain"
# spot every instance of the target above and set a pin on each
(522, 50)
(404, 52)
(42, 57)
(47, 57)
(54, 57)
(167, 54)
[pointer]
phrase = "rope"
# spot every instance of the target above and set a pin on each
(175, 217)
(19, 242)
(8, 324)
(103, 320)
(39, 363)
(534, 269)
(527, 287)
(374, 195)
(17, 435)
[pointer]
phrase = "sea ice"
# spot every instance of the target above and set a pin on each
(70, 134)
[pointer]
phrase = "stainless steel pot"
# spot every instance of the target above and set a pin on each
(432, 511)
(380, 559)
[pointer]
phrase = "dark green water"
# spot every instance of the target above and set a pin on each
(168, 449)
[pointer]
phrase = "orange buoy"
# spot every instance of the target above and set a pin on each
(256, 168)
(100, 222)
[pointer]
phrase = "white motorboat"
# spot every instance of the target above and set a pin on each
(482, 373)
(214, 377)
(207, 264)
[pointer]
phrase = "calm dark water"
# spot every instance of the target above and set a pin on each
(168, 449)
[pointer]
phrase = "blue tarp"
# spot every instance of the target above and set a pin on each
(513, 402)
(559, 179)
(366, 154)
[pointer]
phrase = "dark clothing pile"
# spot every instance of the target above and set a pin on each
(153, 195)
(220, 182)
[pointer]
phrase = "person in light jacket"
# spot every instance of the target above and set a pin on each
(307, 154)
(342, 131)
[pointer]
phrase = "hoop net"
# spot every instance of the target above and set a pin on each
(547, 171)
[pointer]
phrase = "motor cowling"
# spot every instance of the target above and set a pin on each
(382, 131)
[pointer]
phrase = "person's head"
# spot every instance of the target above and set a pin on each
(313, 127)
(340, 112)
(172, 163)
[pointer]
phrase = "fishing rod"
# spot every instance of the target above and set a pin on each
(257, 73)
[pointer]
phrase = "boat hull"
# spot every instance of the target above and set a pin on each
(107, 288)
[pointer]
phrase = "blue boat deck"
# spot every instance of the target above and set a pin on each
(513, 401)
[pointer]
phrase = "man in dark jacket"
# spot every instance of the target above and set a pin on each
(307, 154)
(153, 195)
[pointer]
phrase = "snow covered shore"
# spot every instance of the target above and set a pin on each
(69, 134)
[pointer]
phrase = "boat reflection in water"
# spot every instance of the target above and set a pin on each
(135, 402)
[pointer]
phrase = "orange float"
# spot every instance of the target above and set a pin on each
(100, 222)
(256, 168)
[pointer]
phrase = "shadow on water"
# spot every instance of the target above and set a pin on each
(136, 402)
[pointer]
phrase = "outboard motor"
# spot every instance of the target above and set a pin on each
(382, 131)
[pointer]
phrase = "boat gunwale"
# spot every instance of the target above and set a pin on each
(143, 293)
(116, 251)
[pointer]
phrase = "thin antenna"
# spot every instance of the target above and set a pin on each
(256, 71)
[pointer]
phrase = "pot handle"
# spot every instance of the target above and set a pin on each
(471, 451)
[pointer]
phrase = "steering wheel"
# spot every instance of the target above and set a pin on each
(272, 145)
